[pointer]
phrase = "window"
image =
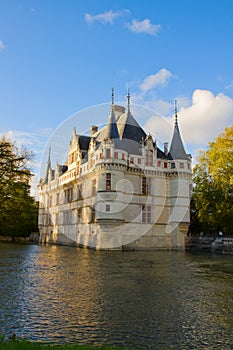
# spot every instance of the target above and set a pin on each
(68, 195)
(92, 214)
(181, 165)
(93, 191)
(46, 219)
(123, 157)
(131, 160)
(92, 161)
(79, 214)
(146, 214)
(149, 157)
(108, 181)
(72, 158)
(158, 163)
(79, 192)
(57, 219)
(139, 160)
(107, 207)
(165, 165)
(57, 199)
(116, 155)
(67, 217)
(173, 165)
(146, 185)
(101, 155)
(108, 153)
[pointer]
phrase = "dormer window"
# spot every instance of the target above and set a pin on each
(68, 195)
(108, 153)
(149, 157)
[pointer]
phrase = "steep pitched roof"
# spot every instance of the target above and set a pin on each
(129, 128)
(83, 142)
(177, 150)
(112, 130)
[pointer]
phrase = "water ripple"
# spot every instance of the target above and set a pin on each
(142, 300)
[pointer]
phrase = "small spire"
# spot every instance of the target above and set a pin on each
(176, 117)
(112, 97)
(49, 155)
(48, 167)
(74, 133)
(128, 99)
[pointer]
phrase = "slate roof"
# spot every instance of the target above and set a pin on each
(124, 130)
(177, 150)
(83, 142)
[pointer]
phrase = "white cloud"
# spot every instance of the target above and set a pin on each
(23, 138)
(144, 26)
(105, 18)
(160, 127)
(2, 45)
(158, 79)
(207, 117)
(229, 86)
(200, 123)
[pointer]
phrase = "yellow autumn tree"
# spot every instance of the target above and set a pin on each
(213, 184)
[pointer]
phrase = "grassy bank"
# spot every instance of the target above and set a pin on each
(26, 345)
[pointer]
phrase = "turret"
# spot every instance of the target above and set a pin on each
(177, 150)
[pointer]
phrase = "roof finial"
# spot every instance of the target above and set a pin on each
(112, 97)
(128, 99)
(176, 117)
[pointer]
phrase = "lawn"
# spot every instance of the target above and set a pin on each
(27, 345)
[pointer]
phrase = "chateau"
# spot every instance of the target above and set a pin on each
(118, 189)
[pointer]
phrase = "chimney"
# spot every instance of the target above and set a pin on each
(93, 129)
(165, 147)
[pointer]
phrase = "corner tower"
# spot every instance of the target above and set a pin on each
(179, 187)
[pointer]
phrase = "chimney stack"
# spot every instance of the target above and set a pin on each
(165, 147)
(93, 129)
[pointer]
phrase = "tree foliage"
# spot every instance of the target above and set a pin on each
(213, 184)
(18, 210)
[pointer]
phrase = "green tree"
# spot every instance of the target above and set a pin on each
(213, 184)
(18, 210)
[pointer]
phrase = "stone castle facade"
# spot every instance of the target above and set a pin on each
(118, 190)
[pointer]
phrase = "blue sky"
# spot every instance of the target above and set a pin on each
(60, 57)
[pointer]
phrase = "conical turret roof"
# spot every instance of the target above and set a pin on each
(48, 167)
(177, 150)
(112, 130)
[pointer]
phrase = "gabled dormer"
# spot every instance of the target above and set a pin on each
(74, 148)
(149, 150)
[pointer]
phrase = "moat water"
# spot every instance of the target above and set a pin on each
(141, 300)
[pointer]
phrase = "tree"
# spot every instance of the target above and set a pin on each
(213, 184)
(18, 210)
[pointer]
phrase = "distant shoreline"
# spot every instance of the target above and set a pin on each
(33, 238)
